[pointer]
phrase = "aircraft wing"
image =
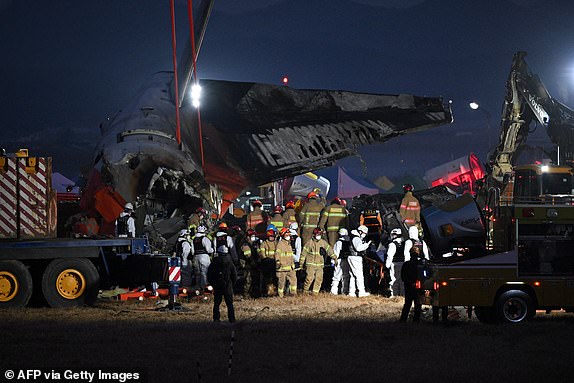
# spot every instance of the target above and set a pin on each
(255, 133)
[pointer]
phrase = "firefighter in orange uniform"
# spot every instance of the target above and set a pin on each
(257, 218)
(290, 215)
(277, 218)
(333, 218)
(410, 209)
(267, 253)
(312, 260)
(310, 215)
(285, 264)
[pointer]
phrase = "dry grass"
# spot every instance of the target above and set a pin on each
(295, 339)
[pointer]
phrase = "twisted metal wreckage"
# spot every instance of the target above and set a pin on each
(249, 134)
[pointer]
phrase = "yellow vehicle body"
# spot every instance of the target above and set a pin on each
(528, 262)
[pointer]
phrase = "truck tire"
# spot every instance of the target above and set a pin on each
(70, 282)
(485, 314)
(514, 306)
(15, 284)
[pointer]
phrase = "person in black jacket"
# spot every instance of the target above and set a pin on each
(222, 275)
(409, 273)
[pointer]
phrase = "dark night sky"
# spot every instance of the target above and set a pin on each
(67, 65)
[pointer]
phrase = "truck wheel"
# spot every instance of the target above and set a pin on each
(514, 306)
(485, 314)
(15, 284)
(70, 282)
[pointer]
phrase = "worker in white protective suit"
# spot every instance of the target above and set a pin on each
(342, 250)
(183, 250)
(414, 240)
(394, 262)
(358, 251)
(202, 251)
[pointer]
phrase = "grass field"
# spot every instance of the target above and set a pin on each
(295, 339)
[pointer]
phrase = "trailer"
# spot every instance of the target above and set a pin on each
(66, 272)
(71, 272)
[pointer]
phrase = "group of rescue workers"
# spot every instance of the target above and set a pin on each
(286, 252)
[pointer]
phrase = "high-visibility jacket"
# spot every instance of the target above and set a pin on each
(410, 209)
(372, 219)
(289, 216)
(267, 249)
(194, 222)
(277, 220)
(284, 256)
(334, 217)
(310, 214)
(256, 220)
(311, 253)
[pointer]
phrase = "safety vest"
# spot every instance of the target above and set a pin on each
(293, 239)
(418, 244)
(334, 216)
(311, 254)
(250, 253)
(254, 219)
(284, 256)
(123, 225)
(289, 217)
(371, 220)
(179, 247)
(410, 209)
(345, 247)
(356, 253)
(277, 220)
(221, 244)
(198, 247)
(267, 249)
(400, 253)
(310, 214)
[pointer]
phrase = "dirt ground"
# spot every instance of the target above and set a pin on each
(295, 339)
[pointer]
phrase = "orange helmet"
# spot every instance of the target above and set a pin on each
(284, 232)
(312, 195)
(256, 203)
(317, 231)
(270, 233)
(290, 205)
(278, 209)
(222, 225)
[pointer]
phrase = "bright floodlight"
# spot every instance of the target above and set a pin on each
(544, 168)
(195, 95)
(473, 105)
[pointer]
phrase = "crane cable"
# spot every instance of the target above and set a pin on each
(195, 77)
(173, 45)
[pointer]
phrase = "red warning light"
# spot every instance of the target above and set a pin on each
(285, 80)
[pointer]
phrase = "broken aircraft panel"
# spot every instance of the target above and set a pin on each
(262, 132)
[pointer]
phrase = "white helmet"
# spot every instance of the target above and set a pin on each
(343, 231)
(202, 229)
(128, 206)
(293, 226)
(363, 229)
(396, 232)
(414, 232)
(184, 233)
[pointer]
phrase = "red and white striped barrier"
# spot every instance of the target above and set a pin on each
(28, 205)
